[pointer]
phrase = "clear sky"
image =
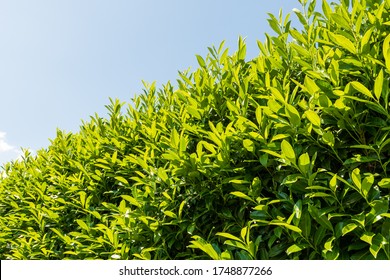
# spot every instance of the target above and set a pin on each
(61, 60)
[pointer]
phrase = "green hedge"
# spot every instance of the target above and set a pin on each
(284, 156)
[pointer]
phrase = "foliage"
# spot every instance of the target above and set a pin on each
(284, 156)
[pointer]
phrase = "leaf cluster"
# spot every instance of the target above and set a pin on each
(285, 156)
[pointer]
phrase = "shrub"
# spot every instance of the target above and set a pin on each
(284, 156)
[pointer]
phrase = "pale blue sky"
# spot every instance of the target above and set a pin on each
(60, 61)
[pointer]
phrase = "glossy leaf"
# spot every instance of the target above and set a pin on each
(288, 150)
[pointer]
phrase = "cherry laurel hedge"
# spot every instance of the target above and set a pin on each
(284, 156)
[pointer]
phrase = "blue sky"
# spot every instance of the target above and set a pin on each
(60, 61)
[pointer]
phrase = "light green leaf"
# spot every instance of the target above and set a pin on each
(241, 195)
(361, 88)
(384, 183)
(228, 235)
(386, 51)
(201, 244)
(348, 228)
(311, 86)
(114, 157)
(378, 86)
(293, 115)
(162, 174)
(313, 118)
(122, 180)
(326, 9)
(194, 112)
(304, 163)
(328, 138)
(340, 20)
(259, 115)
(278, 96)
(378, 241)
(366, 184)
(367, 237)
(201, 61)
(249, 145)
(365, 40)
(181, 207)
(328, 246)
(232, 107)
(288, 150)
(286, 225)
(271, 153)
(356, 178)
(279, 136)
(170, 214)
(343, 42)
(82, 224)
(333, 183)
(237, 244)
(131, 199)
(296, 248)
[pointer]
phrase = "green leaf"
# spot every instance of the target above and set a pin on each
(162, 174)
(296, 248)
(377, 243)
(319, 235)
(259, 115)
(367, 237)
(321, 219)
(194, 112)
(286, 225)
(304, 163)
(170, 214)
(378, 207)
(288, 150)
(305, 224)
(122, 180)
(131, 199)
(201, 244)
(201, 61)
(340, 20)
(278, 96)
(348, 228)
(328, 246)
(311, 86)
(249, 145)
(181, 207)
(232, 107)
(241, 195)
(279, 136)
(114, 157)
(271, 153)
(228, 236)
(326, 9)
(293, 115)
(366, 184)
(386, 51)
(237, 244)
(361, 88)
(365, 40)
(384, 183)
(378, 86)
(333, 183)
(313, 118)
(356, 178)
(82, 224)
(328, 138)
(343, 42)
